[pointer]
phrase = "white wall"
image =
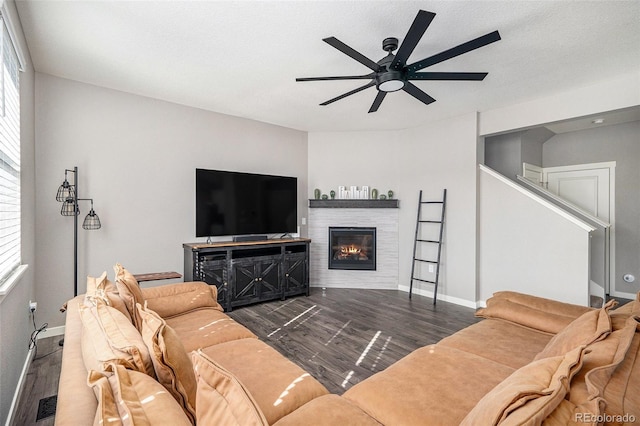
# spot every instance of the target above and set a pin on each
(527, 247)
(431, 157)
(15, 326)
(612, 93)
(619, 143)
(137, 158)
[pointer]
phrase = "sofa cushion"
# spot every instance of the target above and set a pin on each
(222, 399)
(108, 336)
(143, 401)
(130, 292)
(278, 385)
(206, 327)
(169, 301)
(505, 342)
(588, 328)
(328, 410)
(171, 363)
(528, 395)
(535, 312)
(433, 385)
(102, 288)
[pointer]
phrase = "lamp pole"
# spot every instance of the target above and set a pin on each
(75, 232)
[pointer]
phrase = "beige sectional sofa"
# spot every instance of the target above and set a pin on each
(169, 355)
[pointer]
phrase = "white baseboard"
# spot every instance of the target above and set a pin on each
(443, 297)
(19, 388)
(52, 331)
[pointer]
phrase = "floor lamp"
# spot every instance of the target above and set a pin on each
(68, 196)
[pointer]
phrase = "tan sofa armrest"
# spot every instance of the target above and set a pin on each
(177, 298)
(541, 314)
(77, 403)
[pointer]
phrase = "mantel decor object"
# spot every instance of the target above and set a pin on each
(374, 194)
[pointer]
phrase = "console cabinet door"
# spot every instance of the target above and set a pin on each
(256, 279)
(295, 274)
(212, 269)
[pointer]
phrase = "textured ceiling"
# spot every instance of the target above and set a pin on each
(242, 57)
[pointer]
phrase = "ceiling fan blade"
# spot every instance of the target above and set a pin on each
(469, 76)
(414, 91)
(344, 95)
(352, 53)
(455, 51)
(418, 27)
(342, 77)
(377, 101)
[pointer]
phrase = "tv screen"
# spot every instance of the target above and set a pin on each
(234, 203)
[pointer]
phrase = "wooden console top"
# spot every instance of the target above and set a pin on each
(197, 246)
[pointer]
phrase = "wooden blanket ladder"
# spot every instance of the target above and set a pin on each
(430, 227)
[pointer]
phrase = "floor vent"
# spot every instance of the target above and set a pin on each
(47, 407)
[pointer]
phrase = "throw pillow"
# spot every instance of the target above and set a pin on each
(221, 398)
(143, 401)
(528, 395)
(171, 363)
(107, 412)
(102, 288)
(588, 328)
(109, 337)
(129, 292)
(609, 373)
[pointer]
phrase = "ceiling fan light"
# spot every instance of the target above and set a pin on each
(390, 81)
(391, 85)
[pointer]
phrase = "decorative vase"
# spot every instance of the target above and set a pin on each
(333, 194)
(325, 197)
(374, 194)
(383, 197)
(316, 193)
(390, 194)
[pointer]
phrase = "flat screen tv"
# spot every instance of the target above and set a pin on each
(234, 203)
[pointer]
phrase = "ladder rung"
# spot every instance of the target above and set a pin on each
(430, 221)
(426, 261)
(431, 202)
(424, 281)
(429, 241)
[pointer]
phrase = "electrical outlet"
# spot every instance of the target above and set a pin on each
(432, 268)
(33, 306)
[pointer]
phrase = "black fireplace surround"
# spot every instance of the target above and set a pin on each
(352, 248)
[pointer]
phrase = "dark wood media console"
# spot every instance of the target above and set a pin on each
(250, 271)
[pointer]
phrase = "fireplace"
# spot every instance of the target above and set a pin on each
(352, 248)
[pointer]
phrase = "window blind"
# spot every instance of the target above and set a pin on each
(9, 156)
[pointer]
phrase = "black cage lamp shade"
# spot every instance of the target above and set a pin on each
(69, 207)
(91, 221)
(66, 191)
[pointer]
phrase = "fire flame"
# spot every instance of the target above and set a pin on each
(350, 249)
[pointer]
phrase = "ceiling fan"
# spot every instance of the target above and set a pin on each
(392, 73)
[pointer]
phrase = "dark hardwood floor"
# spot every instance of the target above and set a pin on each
(343, 336)
(340, 336)
(41, 382)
